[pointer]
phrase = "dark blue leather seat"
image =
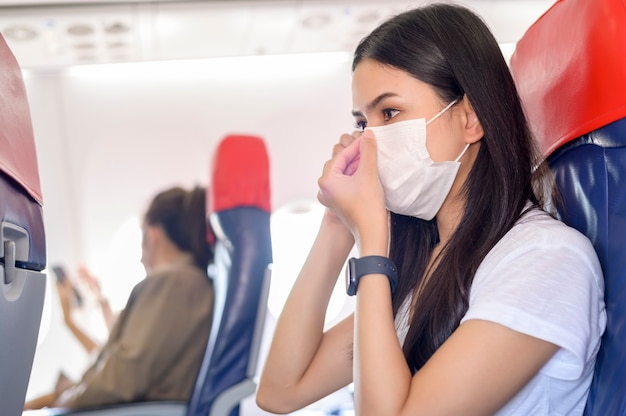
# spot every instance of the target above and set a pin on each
(590, 172)
(23, 246)
(240, 201)
(570, 69)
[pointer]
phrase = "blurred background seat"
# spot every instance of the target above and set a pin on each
(240, 217)
(23, 246)
(570, 69)
(238, 200)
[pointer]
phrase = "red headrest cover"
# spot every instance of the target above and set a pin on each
(18, 157)
(570, 69)
(240, 174)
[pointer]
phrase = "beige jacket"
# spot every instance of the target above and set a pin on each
(155, 348)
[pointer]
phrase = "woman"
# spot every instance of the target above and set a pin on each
(156, 346)
(471, 299)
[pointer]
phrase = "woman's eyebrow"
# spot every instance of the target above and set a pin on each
(374, 103)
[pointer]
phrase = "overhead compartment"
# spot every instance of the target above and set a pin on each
(59, 33)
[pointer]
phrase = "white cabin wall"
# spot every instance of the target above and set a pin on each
(56, 345)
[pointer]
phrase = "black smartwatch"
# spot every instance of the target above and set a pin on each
(369, 265)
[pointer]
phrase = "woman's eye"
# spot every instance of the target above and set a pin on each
(360, 124)
(389, 113)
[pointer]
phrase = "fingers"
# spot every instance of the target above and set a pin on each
(63, 290)
(91, 280)
(346, 161)
(348, 153)
(84, 274)
(367, 151)
(344, 141)
(353, 165)
(63, 286)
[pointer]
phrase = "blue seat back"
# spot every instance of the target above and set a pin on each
(591, 176)
(241, 220)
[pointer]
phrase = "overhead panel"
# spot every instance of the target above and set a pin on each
(57, 36)
(52, 34)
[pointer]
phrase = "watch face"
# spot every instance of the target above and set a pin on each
(351, 277)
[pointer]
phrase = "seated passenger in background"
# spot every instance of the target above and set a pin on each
(471, 298)
(156, 346)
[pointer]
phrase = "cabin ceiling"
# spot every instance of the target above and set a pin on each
(52, 34)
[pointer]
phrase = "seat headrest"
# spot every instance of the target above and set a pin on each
(18, 157)
(570, 70)
(240, 174)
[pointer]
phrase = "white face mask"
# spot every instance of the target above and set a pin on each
(413, 183)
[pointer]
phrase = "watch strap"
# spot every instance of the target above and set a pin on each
(376, 265)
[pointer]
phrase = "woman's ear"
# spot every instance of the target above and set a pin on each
(473, 130)
(152, 235)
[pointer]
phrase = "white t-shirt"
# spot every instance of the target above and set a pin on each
(543, 279)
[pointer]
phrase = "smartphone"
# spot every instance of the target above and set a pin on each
(59, 273)
(61, 276)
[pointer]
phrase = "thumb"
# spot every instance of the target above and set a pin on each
(368, 151)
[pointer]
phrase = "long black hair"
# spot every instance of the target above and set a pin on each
(450, 47)
(182, 215)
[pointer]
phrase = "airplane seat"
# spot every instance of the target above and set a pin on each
(238, 200)
(570, 71)
(240, 216)
(22, 250)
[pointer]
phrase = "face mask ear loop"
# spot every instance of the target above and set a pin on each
(446, 108)
(462, 153)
